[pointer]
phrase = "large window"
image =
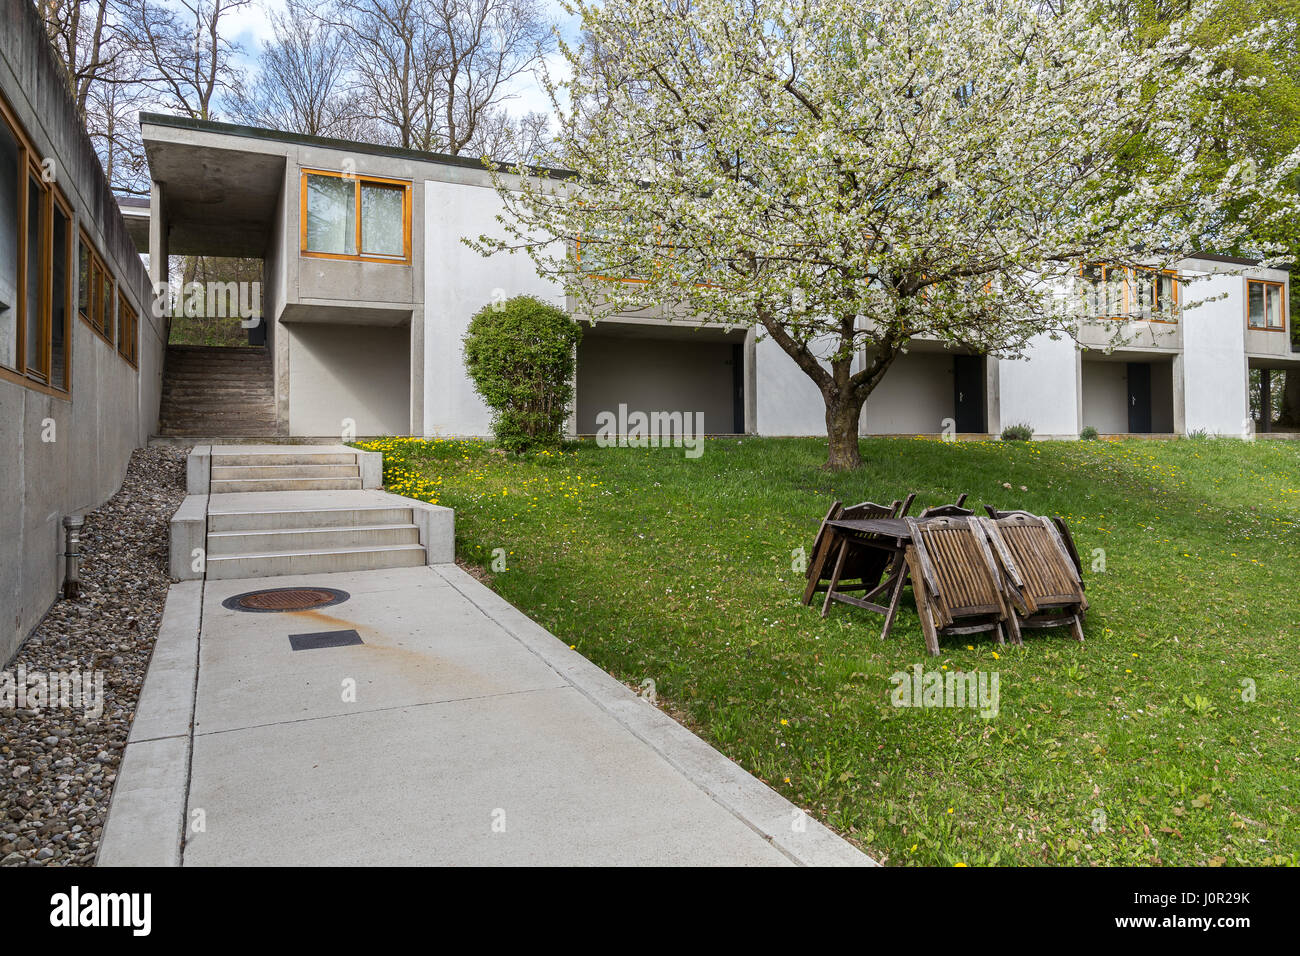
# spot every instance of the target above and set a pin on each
(356, 217)
(1131, 294)
(128, 331)
(1265, 305)
(35, 267)
(95, 290)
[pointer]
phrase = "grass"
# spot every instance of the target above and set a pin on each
(1170, 737)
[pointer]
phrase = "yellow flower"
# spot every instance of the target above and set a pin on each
(784, 722)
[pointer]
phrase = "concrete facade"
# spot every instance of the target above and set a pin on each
(66, 453)
(364, 340)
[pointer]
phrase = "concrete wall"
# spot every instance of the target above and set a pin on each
(672, 375)
(457, 283)
(1215, 376)
(1040, 389)
(914, 397)
(1105, 396)
(355, 372)
(112, 407)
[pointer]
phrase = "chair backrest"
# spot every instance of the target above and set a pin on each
(954, 510)
(996, 513)
(960, 575)
(869, 509)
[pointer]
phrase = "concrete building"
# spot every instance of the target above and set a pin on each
(80, 351)
(370, 290)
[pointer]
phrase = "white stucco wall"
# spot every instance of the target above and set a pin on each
(1041, 389)
(457, 283)
(1214, 362)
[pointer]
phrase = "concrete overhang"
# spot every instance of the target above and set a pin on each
(219, 197)
(326, 314)
(135, 213)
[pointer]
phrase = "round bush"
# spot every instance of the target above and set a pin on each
(520, 356)
(1021, 432)
(1089, 433)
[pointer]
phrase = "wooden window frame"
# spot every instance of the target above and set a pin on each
(69, 293)
(1281, 295)
(97, 273)
(29, 166)
(359, 180)
(128, 330)
(1127, 285)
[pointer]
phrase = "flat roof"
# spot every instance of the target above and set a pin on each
(326, 142)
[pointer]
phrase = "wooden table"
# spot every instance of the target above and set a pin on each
(891, 535)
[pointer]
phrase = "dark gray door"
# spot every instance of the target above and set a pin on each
(1139, 397)
(968, 397)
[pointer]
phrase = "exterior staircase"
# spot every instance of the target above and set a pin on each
(308, 513)
(213, 391)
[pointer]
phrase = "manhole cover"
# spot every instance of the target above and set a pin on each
(285, 599)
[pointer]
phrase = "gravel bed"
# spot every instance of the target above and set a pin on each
(57, 766)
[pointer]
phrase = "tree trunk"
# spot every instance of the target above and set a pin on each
(842, 418)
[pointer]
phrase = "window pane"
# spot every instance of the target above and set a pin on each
(35, 341)
(83, 279)
(59, 278)
(1255, 304)
(331, 215)
(383, 227)
(106, 303)
(9, 183)
(1273, 300)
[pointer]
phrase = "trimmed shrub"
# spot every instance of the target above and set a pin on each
(1089, 433)
(1019, 432)
(520, 356)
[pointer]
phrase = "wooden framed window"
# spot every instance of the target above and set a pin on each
(95, 291)
(1129, 294)
(355, 217)
(35, 267)
(1265, 305)
(128, 330)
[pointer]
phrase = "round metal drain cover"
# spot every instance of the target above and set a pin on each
(285, 599)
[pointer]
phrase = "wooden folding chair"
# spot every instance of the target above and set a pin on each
(1040, 575)
(820, 551)
(859, 563)
(955, 580)
(1062, 529)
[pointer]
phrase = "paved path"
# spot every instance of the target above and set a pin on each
(474, 737)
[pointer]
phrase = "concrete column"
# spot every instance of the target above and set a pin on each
(1180, 398)
(159, 249)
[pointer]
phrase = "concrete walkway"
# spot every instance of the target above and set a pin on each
(457, 732)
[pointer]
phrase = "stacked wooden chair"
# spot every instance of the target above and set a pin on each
(841, 563)
(1039, 569)
(955, 579)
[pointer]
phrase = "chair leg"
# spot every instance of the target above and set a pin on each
(923, 612)
(1000, 634)
(835, 576)
(896, 594)
(815, 572)
(1013, 625)
(1076, 627)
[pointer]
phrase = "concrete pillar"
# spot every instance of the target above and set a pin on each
(1180, 403)
(159, 251)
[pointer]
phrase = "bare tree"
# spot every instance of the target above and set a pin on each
(511, 139)
(396, 54)
(86, 41)
(112, 106)
(489, 44)
(302, 85)
(188, 60)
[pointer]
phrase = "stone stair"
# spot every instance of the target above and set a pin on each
(209, 391)
(293, 471)
(248, 544)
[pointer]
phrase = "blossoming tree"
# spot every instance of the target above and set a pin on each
(850, 176)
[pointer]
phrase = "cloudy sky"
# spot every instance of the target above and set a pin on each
(250, 27)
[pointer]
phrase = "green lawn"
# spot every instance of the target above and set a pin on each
(658, 566)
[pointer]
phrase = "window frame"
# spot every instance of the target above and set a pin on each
(37, 378)
(1128, 289)
(358, 180)
(1282, 297)
(128, 330)
(97, 273)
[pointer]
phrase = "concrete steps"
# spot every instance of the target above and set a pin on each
(208, 391)
(292, 472)
(269, 564)
(294, 534)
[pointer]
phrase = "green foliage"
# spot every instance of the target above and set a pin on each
(1020, 432)
(520, 355)
(1089, 433)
